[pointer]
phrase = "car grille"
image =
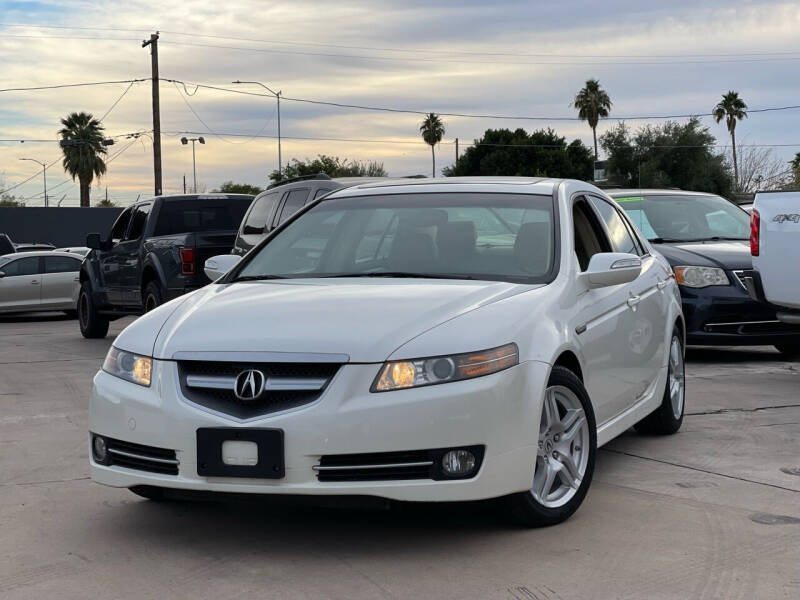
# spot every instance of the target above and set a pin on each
(286, 385)
(388, 466)
(740, 278)
(753, 328)
(141, 457)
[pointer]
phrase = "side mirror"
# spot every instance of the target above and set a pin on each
(611, 268)
(2, 274)
(217, 266)
(93, 241)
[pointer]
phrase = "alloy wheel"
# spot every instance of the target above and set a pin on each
(564, 447)
(677, 377)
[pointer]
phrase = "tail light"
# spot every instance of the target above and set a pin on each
(188, 265)
(755, 233)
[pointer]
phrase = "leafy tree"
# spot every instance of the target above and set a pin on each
(82, 145)
(7, 199)
(333, 166)
(106, 203)
(732, 109)
(667, 155)
(542, 153)
(432, 130)
(592, 103)
(229, 187)
(795, 165)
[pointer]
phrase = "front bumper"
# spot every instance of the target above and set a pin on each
(728, 316)
(500, 412)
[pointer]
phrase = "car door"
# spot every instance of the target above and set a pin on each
(21, 284)
(293, 201)
(130, 250)
(60, 282)
(110, 259)
(646, 339)
(604, 323)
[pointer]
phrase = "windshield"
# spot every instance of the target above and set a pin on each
(4, 260)
(453, 236)
(686, 218)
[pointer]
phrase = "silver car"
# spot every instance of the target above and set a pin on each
(44, 280)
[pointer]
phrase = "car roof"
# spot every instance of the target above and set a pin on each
(210, 196)
(529, 185)
(614, 193)
(42, 253)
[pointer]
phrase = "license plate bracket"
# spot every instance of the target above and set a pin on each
(270, 464)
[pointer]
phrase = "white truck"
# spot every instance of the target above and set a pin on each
(775, 247)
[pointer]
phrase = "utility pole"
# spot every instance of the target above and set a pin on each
(184, 183)
(456, 152)
(153, 43)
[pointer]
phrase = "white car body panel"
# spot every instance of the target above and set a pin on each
(779, 247)
(620, 344)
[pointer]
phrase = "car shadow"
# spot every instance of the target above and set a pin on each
(31, 317)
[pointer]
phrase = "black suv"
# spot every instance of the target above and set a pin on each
(154, 252)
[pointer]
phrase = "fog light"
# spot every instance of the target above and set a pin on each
(99, 449)
(458, 462)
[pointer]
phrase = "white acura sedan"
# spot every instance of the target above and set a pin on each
(427, 340)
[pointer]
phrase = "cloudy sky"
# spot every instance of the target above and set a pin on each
(504, 57)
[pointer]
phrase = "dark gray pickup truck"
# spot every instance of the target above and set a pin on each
(155, 252)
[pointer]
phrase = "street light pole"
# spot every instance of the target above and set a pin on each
(44, 172)
(185, 141)
(278, 97)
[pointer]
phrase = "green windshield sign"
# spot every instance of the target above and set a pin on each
(631, 199)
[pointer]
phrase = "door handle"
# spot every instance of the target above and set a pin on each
(34, 282)
(663, 284)
(633, 301)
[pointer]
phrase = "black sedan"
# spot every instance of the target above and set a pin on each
(706, 240)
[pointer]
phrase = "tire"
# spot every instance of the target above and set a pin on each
(668, 417)
(789, 351)
(542, 506)
(153, 297)
(92, 324)
(150, 492)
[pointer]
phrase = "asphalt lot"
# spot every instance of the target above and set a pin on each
(712, 512)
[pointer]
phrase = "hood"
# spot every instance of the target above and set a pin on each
(724, 254)
(364, 319)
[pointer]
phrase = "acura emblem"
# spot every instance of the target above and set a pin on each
(249, 385)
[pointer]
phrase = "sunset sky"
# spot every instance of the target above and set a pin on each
(503, 58)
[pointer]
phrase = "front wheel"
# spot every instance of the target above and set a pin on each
(152, 296)
(789, 351)
(92, 324)
(668, 417)
(565, 456)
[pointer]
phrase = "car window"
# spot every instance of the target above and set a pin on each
(257, 219)
(621, 239)
(686, 217)
(21, 266)
(294, 202)
(589, 238)
(321, 192)
(121, 225)
(452, 235)
(61, 264)
(200, 214)
(138, 222)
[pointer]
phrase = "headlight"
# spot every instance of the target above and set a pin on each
(699, 277)
(402, 374)
(128, 366)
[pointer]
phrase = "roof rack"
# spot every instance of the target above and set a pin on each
(301, 178)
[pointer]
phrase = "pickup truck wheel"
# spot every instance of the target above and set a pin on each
(790, 351)
(92, 324)
(152, 296)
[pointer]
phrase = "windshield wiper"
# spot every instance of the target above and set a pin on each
(258, 278)
(399, 274)
(661, 240)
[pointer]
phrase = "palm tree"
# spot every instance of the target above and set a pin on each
(592, 103)
(82, 145)
(732, 109)
(432, 130)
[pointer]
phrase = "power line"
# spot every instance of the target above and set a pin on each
(69, 85)
(113, 106)
(405, 50)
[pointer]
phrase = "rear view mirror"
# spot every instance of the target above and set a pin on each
(93, 241)
(217, 266)
(611, 268)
